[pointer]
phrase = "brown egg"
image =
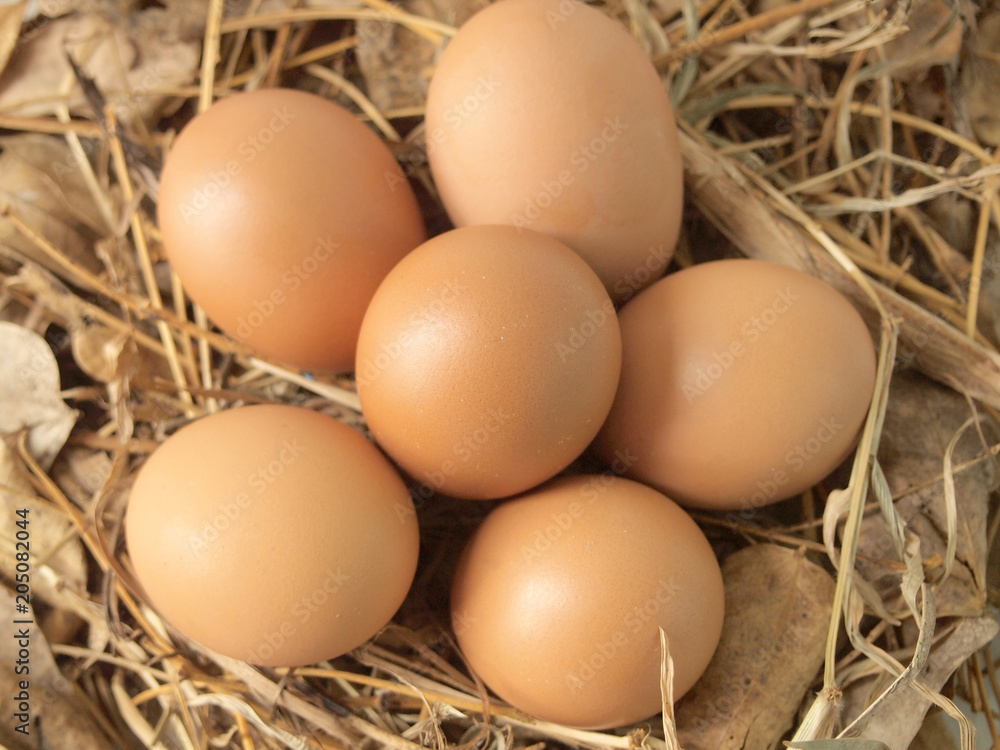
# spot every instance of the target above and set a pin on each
(547, 114)
(560, 594)
(488, 360)
(272, 534)
(743, 383)
(281, 213)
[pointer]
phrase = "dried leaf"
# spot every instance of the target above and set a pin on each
(40, 180)
(900, 719)
(935, 734)
(841, 744)
(82, 472)
(129, 63)
(921, 421)
(989, 292)
(933, 37)
(53, 541)
(103, 354)
(29, 393)
(169, 44)
(981, 77)
(10, 28)
(38, 72)
(778, 607)
(56, 8)
(59, 575)
(58, 718)
(395, 61)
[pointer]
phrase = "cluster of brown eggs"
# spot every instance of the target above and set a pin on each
(487, 359)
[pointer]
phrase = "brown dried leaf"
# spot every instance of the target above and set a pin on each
(10, 29)
(41, 182)
(102, 353)
(129, 63)
(57, 708)
(59, 567)
(82, 472)
(847, 743)
(981, 76)
(168, 43)
(900, 717)
(107, 8)
(933, 37)
(52, 536)
(988, 321)
(29, 393)
(920, 421)
(38, 73)
(778, 607)
(935, 734)
(396, 62)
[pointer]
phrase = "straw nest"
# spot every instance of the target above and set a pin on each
(850, 138)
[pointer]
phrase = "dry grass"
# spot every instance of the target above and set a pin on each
(811, 137)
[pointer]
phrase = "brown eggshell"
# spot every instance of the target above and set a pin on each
(281, 213)
(488, 360)
(743, 383)
(272, 534)
(547, 114)
(560, 594)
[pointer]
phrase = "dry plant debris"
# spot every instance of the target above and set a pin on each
(777, 610)
(851, 139)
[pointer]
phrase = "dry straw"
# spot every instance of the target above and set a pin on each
(820, 134)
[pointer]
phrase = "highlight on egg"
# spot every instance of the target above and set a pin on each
(272, 534)
(488, 360)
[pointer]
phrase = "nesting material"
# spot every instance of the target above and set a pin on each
(814, 133)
